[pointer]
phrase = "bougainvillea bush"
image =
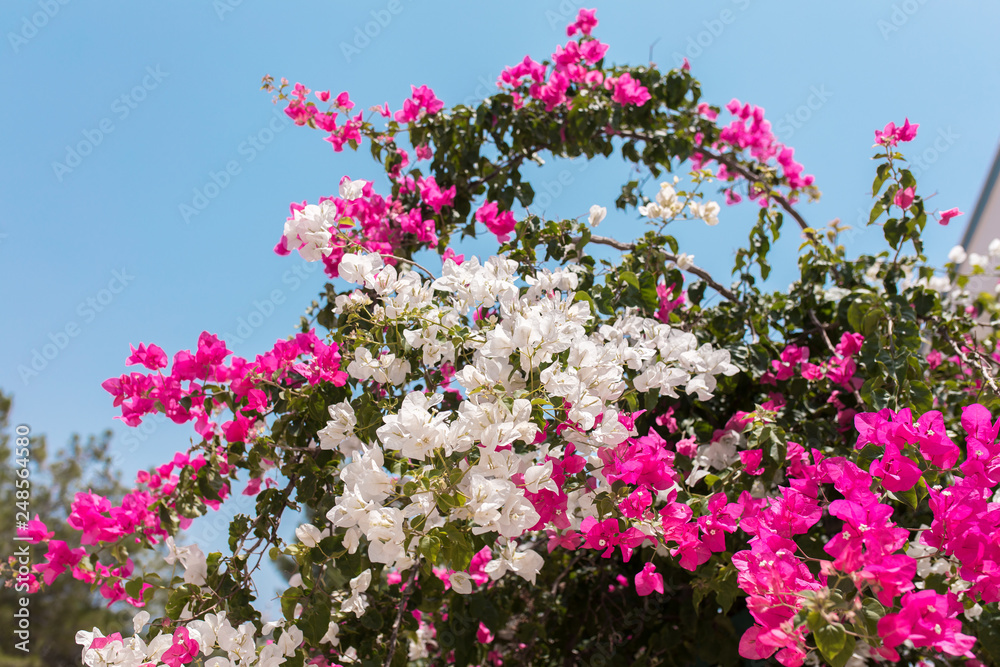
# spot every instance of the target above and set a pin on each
(582, 449)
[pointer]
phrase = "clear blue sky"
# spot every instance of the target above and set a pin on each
(101, 247)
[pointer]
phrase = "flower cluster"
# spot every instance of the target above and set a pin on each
(519, 415)
(195, 641)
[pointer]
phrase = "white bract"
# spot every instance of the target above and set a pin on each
(352, 189)
(597, 214)
(709, 212)
(308, 230)
(666, 206)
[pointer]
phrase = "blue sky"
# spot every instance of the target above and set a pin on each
(161, 98)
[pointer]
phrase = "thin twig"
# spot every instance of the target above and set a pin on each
(353, 242)
(739, 169)
(698, 271)
(982, 366)
(399, 614)
(829, 344)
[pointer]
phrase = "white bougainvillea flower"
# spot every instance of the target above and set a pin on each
(597, 214)
(356, 268)
(308, 534)
(191, 558)
(352, 189)
(461, 582)
(709, 212)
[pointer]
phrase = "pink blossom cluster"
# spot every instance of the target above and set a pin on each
(772, 572)
(422, 102)
(749, 131)
(668, 304)
(573, 70)
(60, 558)
(839, 368)
(182, 394)
(891, 135)
(866, 550)
(966, 525)
(306, 113)
(500, 223)
(102, 522)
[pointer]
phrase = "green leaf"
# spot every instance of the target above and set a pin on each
(877, 210)
(134, 588)
(855, 315)
(830, 640)
(372, 619)
(484, 610)
(882, 173)
(871, 320)
(845, 653)
(920, 397)
(430, 547)
(288, 601)
(909, 496)
(650, 298)
(872, 612)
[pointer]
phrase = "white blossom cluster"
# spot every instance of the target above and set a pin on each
(310, 230)
(531, 342)
(666, 206)
(213, 634)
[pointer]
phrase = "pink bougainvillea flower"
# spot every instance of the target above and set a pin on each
(585, 22)
(904, 198)
(946, 216)
(35, 531)
(152, 357)
(751, 459)
(648, 581)
(850, 343)
(483, 634)
(501, 224)
(927, 618)
(59, 558)
(630, 91)
(182, 651)
(898, 472)
(891, 135)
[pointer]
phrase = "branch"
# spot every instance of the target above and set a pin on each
(399, 614)
(982, 366)
(701, 273)
(732, 165)
(754, 178)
